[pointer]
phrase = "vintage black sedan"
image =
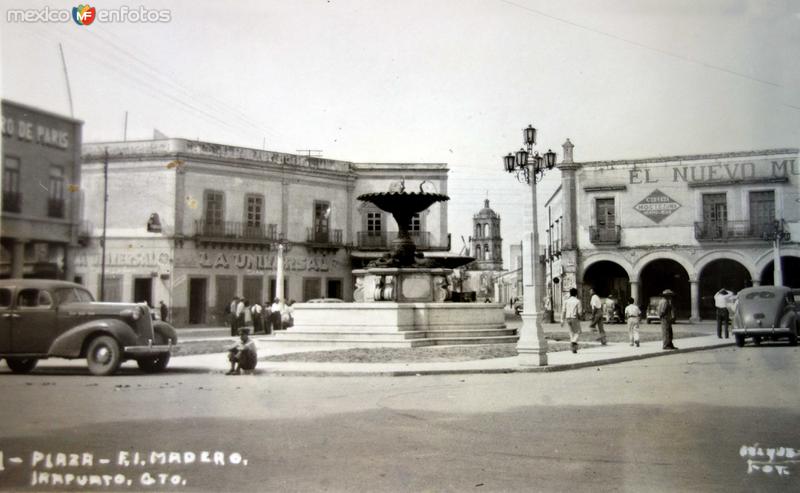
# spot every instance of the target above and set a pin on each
(45, 318)
(766, 312)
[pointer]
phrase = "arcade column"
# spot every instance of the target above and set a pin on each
(694, 288)
(634, 292)
(18, 258)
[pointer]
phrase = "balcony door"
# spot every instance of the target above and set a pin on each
(606, 217)
(715, 214)
(322, 218)
(762, 212)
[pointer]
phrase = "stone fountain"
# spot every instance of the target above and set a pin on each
(403, 275)
(400, 299)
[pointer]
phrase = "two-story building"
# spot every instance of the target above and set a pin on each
(194, 223)
(692, 224)
(41, 198)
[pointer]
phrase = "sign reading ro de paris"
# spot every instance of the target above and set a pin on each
(657, 206)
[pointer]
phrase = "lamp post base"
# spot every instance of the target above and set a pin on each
(532, 346)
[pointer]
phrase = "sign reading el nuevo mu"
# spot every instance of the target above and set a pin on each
(657, 206)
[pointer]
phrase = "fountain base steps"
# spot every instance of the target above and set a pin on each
(388, 324)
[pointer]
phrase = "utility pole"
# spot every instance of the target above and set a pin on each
(105, 224)
(125, 128)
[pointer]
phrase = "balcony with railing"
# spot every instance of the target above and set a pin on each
(235, 232)
(324, 237)
(12, 201)
(605, 235)
(372, 240)
(732, 230)
(55, 208)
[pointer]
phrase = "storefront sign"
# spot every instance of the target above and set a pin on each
(125, 259)
(258, 262)
(32, 132)
(207, 260)
(657, 206)
(719, 172)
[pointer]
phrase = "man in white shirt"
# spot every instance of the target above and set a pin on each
(571, 312)
(240, 313)
(633, 314)
(597, 315)
(721, 300)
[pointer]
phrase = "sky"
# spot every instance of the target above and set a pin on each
(427, 81)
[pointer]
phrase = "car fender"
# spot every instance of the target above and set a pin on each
(71, 343)
(166, 330)
(789, 319)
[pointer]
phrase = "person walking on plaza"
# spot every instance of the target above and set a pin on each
(247, 316)
(666, 313)
(243, 356)
(571, 313)
(597, 315)
(721, 300)
(633, 315)
(163, 311)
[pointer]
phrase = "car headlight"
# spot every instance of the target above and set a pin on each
(135, 313)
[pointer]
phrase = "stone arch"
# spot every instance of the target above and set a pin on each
(765, 258)
(717, 271)
(608, 257)
(662, 270)
(663, 254)
(710, 257)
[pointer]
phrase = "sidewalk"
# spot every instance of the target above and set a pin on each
(557, 361)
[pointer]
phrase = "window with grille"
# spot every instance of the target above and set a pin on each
(215, 207)
(55, 203)
(605, 213)
(322, 218)
(762, 211)
(12, 199)
(255, 205)
(416, 224)
(374, 223)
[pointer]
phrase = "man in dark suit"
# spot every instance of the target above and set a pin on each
(666, 313)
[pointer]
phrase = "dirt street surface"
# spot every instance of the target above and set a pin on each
(677, 423)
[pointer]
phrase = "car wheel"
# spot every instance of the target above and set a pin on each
(757, 340)
(21, 365)
(103, 356)
(154, 364)
(739, 340)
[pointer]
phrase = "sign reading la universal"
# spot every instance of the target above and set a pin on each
(232, 261)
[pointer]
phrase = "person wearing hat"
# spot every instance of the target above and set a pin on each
(666, 314)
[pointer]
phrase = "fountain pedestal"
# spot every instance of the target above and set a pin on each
(402, 285)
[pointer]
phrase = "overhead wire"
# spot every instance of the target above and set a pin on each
(640, 45)
(111, 65)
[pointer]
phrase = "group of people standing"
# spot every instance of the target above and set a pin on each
(264, 318)
(572, 313)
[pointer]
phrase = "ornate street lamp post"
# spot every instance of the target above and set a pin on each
(530, 167)
(777, 234)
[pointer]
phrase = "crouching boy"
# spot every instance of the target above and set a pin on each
(243, 355)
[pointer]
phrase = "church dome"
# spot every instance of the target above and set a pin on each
(486, 211)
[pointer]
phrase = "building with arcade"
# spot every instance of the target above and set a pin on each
(692, 224)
